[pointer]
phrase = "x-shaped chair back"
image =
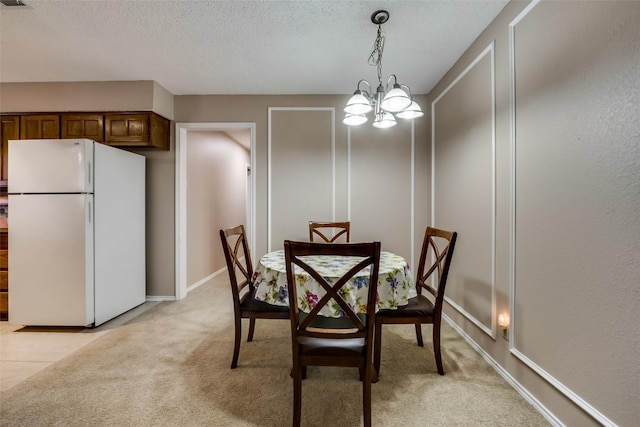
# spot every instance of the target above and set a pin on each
(236, 253)
(437, 249)
(340, 229)
(367, 256)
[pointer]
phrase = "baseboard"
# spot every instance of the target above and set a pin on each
(206, 279)
(158, 298)
(507, 377)
(189, 288)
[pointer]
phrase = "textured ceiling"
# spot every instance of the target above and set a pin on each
(237, 47)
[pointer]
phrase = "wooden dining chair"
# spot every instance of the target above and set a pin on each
(338, 228)
(325, 341)
(437, 250)
(245, 306)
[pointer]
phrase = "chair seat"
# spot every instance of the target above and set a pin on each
(251, 304)
(419, 306)
(334, 347)
(350, 347)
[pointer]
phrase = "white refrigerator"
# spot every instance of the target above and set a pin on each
(76, 232)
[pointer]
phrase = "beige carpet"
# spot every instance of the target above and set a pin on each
(170, 367)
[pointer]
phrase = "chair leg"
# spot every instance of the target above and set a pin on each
(376, 346)
(297, 395)
(236, 345)
(366, 396)
(252, 327)
(419, 334)
(436, 347)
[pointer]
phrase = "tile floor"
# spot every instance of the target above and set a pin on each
(24, 351)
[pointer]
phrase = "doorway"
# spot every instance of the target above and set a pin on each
(183, 131)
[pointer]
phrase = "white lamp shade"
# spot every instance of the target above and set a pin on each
(396, 100)
(354, 119)
(358, 104)
(411, 112)
(384, 121)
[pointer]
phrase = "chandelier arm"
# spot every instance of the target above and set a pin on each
(364, 91)
(395, 81)
(408, 90)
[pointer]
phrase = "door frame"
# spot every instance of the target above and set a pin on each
(181, 194)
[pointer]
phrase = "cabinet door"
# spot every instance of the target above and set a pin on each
(82, 126)
(126, 129)
(40, 127)
(9, 129)
(4, 275)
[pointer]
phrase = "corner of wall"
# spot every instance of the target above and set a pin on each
(162, 101)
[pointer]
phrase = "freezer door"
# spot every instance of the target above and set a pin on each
(51, 166)
(51, 262)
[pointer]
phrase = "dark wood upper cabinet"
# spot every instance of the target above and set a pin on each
(82, 126)
(120, 129)
(136, 130)
(40, 126)
(9, 129)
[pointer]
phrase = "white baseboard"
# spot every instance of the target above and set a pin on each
(189, 288)
(206, 279)
(159, 298)
(507, 377)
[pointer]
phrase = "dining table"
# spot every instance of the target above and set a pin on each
(395, 283)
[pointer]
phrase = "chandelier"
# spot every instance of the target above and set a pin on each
(386, 104)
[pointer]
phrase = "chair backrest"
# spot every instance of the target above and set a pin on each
(236, 253)
(351, 324)
(436, 254)
(339, 228)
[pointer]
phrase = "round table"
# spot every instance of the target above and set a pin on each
(395, 284)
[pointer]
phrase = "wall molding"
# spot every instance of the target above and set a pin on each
(412, 187)
(571, 395)
(348, 173)
(413, 195)
(269, 157)
(489, 50)
(505, 375)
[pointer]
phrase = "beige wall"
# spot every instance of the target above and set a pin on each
(216, 198)
(378, 176)
(567, 238)
(86, 96)
(570, 226)
(463, 192)
(365, 159)
(301, 173)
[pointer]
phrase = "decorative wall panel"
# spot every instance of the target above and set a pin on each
(301, 172)
(463, 187)
(576, 200)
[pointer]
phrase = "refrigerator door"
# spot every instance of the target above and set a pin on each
(119, 233)
(51, 262)
(50, 166)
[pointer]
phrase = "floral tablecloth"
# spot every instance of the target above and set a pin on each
(395, 285)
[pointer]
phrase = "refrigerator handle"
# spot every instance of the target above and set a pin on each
(89, 174)
(90, 212)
